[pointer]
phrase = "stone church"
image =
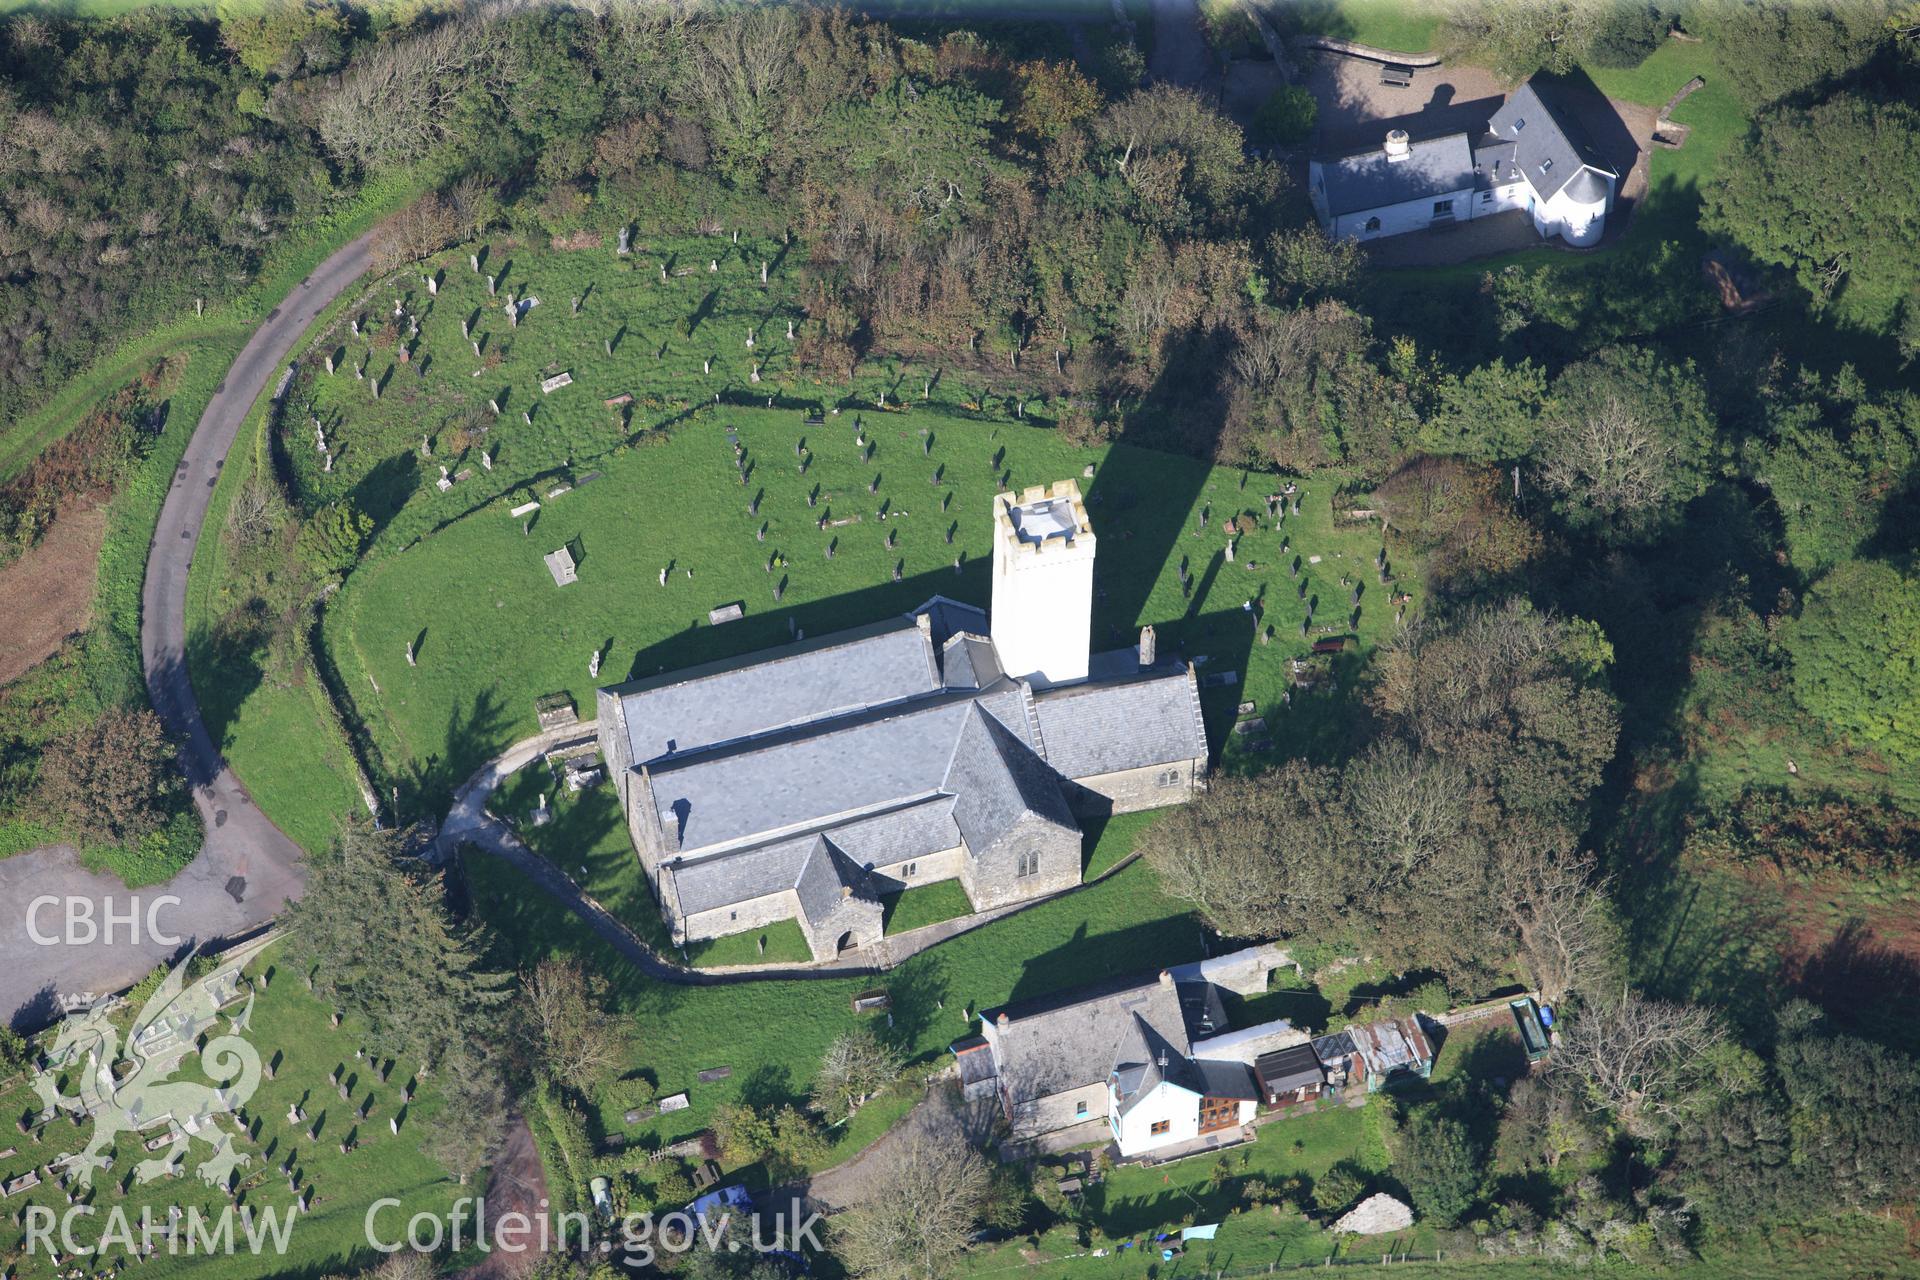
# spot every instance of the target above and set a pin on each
(812, 780)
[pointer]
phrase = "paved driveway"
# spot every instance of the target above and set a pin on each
(1180, 53)
(247, 869)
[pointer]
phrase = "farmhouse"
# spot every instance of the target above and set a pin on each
(1129, 1057)
(808, 782)
(1532, 156)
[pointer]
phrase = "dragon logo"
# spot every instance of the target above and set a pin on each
(130, 1093)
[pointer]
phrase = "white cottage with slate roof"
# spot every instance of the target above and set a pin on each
(1532, 156)
(1130, 1055)
(807, 782)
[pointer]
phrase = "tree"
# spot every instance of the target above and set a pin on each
(783, 1138)
(1840, 487)
(1054, 98)
(111, 780)
(283, 35)
(1287, 117)
(1407, 807)
(374, 930)
(330, 542)
(465, 1134)
(418, 231)
(1440, 1163)
(1559, 912)
(1519, 37)
(1772, 50)
(1491, 412)
(921, 1214)
(579, 1041)
(1259, 857)
(1627, 439)
(856, 1067)
(1341, 1186)
(1461, 518)
(1308, 263)
(1856, 655)
(1774, 196)
(1647, 1063)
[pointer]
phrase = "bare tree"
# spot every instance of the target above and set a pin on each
(423, 228)
(395, 103)
(924, 1207)
(1257, 856)
(1407, 805)
(856, 1067)
(1645, 1061)
(578, 1042)
(1609, 459)
(1559, 913)
(737, 72)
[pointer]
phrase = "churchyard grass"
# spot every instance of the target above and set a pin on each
(329, 1237)
(1384, 24)
(453, 574)
(925, 904)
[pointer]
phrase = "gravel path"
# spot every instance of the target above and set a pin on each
(247, 869)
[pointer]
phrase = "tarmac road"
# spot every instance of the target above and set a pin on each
(247, 869)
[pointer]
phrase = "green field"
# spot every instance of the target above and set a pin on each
(289, 1028)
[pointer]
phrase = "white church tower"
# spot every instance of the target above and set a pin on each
(1042, 618)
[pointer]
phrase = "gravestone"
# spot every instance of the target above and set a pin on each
(560, 565)
(626, 234)
(556, 382)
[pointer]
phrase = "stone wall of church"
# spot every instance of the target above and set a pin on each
(1132, 790)
(754, 913)
(892, 877)
(992, 878)
(861, 917)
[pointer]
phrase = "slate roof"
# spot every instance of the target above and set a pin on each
(968, 661)
(1225, 1080)
(1091, 729)
(1549, 144)
(894, 741)
(810, 778)
(1369, 180)
(1146, 1060)
(1294, 1067)
(737, 698)
(996, 780)
(826, 878)
(1073, 1038)
(1587, 187)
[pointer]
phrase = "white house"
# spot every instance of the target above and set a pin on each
(1158, 1097)
(1131, 1057)
(1532, 156)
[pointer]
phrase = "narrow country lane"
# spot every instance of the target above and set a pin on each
(247, 869)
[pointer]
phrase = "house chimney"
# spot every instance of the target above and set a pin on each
(1398, 145)
(1003, 1019)
(1166, 977)
(1146, 646)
